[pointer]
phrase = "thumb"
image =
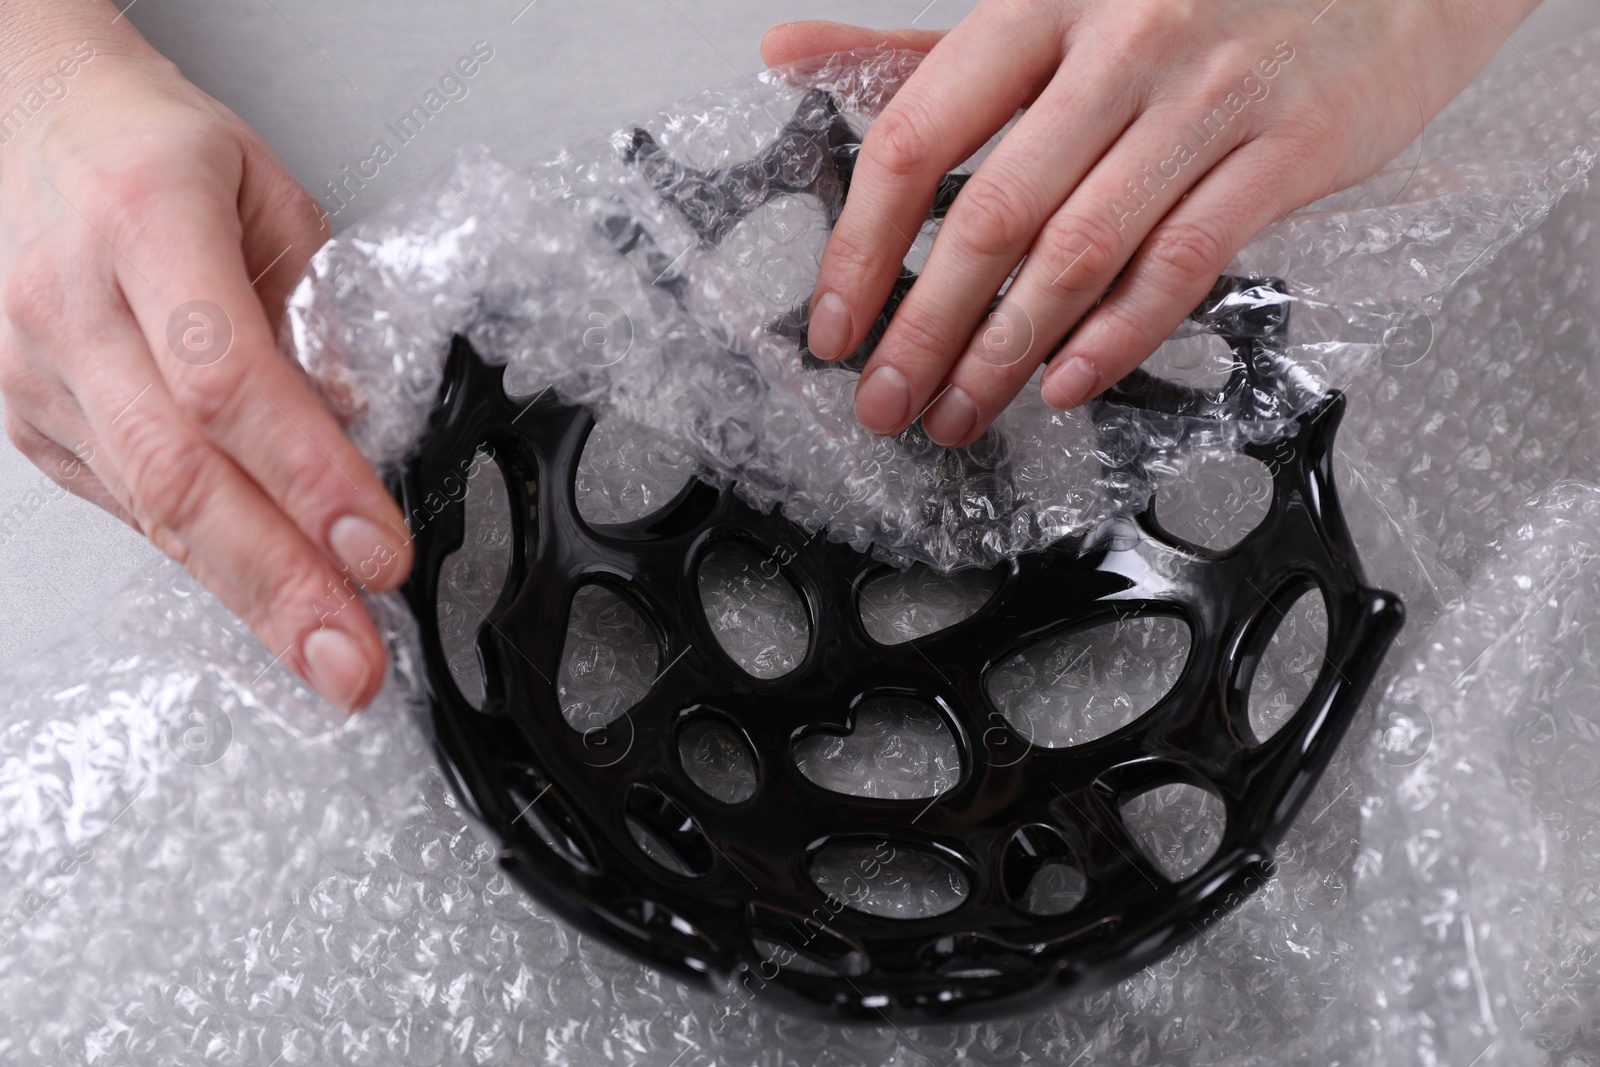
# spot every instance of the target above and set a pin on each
(790, 41)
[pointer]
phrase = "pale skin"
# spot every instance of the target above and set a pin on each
(127, 195)
(123, 197)
(1224, 115)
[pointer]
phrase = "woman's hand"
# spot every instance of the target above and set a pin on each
(148, 240)
(1159, 137)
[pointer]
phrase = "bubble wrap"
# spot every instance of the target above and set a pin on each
(660, 275)
(207, 865)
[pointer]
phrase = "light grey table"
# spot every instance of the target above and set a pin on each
(321, 79)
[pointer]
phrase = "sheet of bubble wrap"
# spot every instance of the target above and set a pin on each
(205, 866)
(657, 275)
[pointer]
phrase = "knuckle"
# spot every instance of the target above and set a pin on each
(899, 142)
(146, 199)
(305, 479)
(170, 476)
(1114, 319)
(123, 197)
(916, 331)
(849, 256)
(1143, 28)
(34, 296)
(1081, 254)
(1220, 72)
(209, 395)
(1192, 251)
(992, 219)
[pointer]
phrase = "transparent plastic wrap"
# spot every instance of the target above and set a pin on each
(659, 276)
(206, 866)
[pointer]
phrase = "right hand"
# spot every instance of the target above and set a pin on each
(143, 225)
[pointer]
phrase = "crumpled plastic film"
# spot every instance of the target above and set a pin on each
(660, 275)
(205, 865)
(1450, 925)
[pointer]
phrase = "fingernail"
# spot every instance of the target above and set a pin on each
(883, 400)
(1070, 384)
(951, 417)
(363, 546)
(336, 665)
(829, 327)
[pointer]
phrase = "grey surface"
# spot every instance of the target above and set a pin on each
(321, 81)
(563, 70)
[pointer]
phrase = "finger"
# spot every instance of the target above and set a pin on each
(969, 86)
(75, 470)
(989, 228)
(200, 508)
(791, 41)
(215, 350)
(1177, 265)
(1081, 249)
(68, 469)
(283, 226)
(43, 420)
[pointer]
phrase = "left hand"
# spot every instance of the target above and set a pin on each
(1159, 137)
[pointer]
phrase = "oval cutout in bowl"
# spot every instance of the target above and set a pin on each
(904, 605)
(608, 660)
(622, 478)
(889, 880)
(471, 578)
(1055, 889)
(666, 833)
(1178, 827)
(1070, 689)
(757, 616)
(717, 760)
(804, 943)
(1214, 499)
(1200, 360)
(1288, 667)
